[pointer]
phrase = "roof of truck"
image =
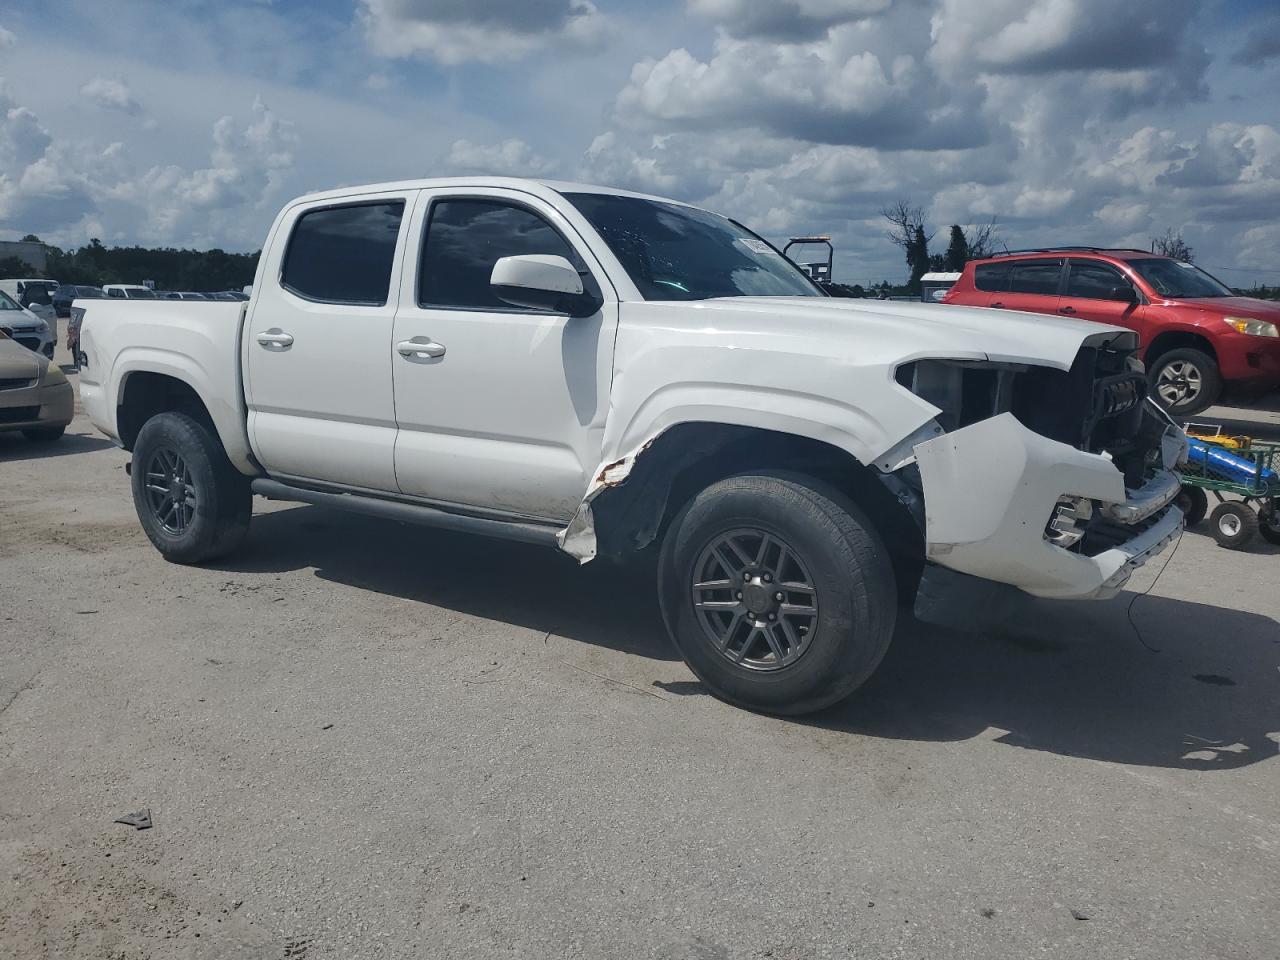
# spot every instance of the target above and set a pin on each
(529, 185)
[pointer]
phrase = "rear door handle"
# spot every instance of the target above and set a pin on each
(420, 347)
(1067, 310)
(275, 338)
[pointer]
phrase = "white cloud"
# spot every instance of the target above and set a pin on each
(833, 90)
(112, 95)
(513, 158)
(488, 31)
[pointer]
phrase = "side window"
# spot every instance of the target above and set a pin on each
(992, 277)
(1094, 281)
(1036, 276)
(117, 294)
(466, 237)
(343, 254)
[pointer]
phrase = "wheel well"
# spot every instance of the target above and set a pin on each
(689, 457)
(147, 394)
(1177, 339)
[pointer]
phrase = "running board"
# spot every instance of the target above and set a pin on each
(543, 535)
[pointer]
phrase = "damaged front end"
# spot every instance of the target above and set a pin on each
(1059, 483)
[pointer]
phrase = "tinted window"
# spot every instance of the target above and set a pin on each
(1036, 276)
(142, 295)
(1094, 281)
(465, 238)
(673, 252)
(118, 294)
(991, 276)
(344, 254)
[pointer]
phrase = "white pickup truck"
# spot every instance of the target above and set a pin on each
(601, 371)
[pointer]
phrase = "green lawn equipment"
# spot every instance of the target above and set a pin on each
(1247, 468)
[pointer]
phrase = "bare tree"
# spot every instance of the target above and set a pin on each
(904, 222)
(1172, 245)
(984, 241)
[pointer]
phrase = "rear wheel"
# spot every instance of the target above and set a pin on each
(1269, 522)
(1194, 504)
(1233, 525)
(1185, 381)
(778, 592)
(193, 504)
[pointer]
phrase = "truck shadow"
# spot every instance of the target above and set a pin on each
(1073, 679)
(1079, 679)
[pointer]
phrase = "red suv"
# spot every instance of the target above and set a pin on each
(1197, 335)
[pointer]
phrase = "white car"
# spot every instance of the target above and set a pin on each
(128, 291)
(25, 327)
(35, 295)
(601, 371)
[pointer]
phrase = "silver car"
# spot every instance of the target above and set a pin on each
(35, 395)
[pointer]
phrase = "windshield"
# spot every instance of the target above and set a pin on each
(1178, 280)
(7, 302)
(682, 253)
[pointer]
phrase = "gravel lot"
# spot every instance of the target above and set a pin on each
(360, 739)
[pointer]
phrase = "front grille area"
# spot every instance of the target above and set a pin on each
(15, 383)
(18, 414)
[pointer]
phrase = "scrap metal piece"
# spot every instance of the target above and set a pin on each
(141, 819)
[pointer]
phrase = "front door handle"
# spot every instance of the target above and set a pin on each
(275, 338)
(997, 306)
(420, 347)
(1067, 310)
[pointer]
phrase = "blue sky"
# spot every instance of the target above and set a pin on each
(1073, 121)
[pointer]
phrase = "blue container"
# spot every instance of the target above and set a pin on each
(1228, 466)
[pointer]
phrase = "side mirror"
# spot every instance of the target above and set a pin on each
(1124, 292)
(542, 282)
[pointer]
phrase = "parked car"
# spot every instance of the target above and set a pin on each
(598, 371)
(24, 327)
(128, 291)
(67, 292)
(35, 396)
(1197, 335)
(179, 295)
(36, 295)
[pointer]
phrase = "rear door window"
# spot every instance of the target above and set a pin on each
(1036, 277)
(344, 254)
(992, 277)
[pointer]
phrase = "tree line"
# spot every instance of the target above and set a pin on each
(171, 268)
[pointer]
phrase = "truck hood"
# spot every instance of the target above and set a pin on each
(921, 329)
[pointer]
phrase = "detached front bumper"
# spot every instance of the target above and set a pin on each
(991, 488)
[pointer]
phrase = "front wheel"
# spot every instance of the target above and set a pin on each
(193, 504)
(778, 592)
(1185, 381)
(1194, 504)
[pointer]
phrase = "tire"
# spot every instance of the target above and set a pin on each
(212, 517)
(1194, 504)
(44, 434)
(1233, 525)
(1269, 522)
(831, 548)
(1185, 381)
